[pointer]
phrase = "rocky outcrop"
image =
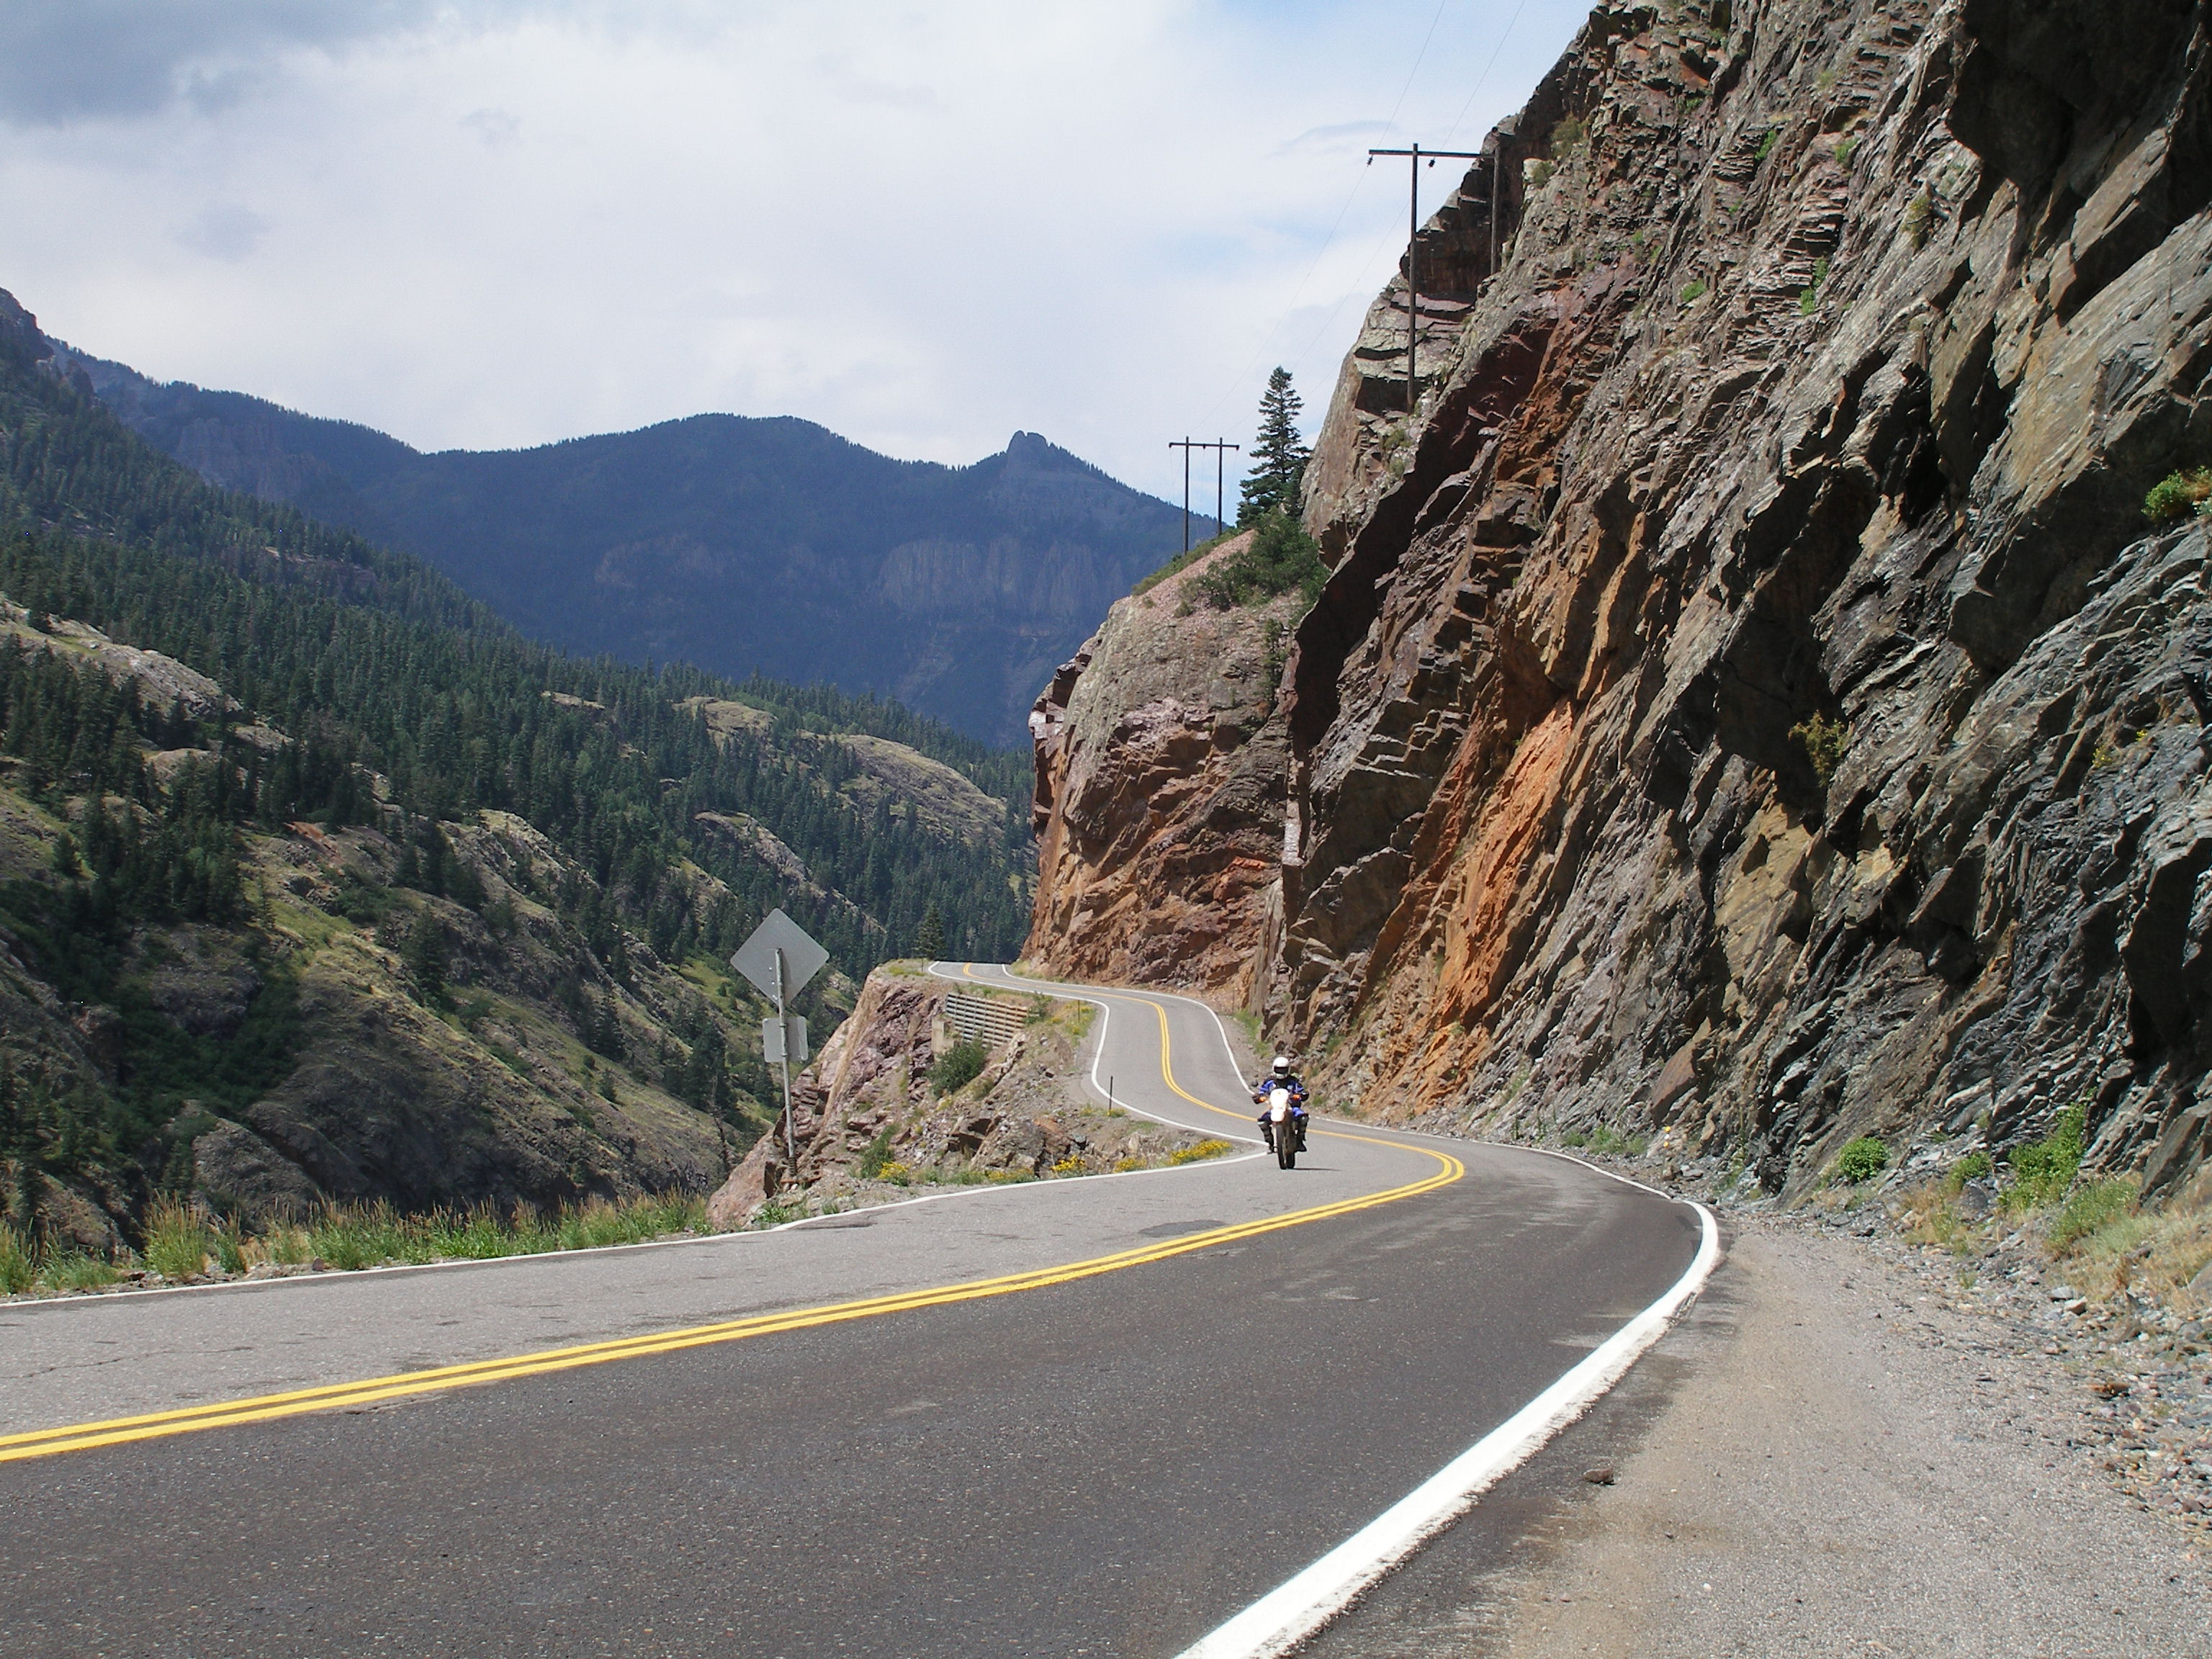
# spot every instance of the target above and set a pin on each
(1161, 759)
(1747, 696)
(867, 1120)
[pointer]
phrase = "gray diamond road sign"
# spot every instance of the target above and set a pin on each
(780, 957)
(802, 956)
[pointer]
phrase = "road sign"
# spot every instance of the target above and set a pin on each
(802, 956)
(772, 1050)
(780, 957)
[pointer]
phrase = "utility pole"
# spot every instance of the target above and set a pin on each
(1412, 247)
(1220, 451)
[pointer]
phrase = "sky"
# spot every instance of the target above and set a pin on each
(496, 224)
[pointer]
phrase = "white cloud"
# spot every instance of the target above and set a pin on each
(925, 227)
(229, 231)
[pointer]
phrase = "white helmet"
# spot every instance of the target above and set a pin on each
(1282, 1066)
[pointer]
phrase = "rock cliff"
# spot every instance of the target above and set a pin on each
(1161, 763)
(1748, 696)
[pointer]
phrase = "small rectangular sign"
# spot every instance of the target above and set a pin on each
(772, 1040)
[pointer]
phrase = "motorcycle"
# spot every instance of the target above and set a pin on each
(1283, 1128)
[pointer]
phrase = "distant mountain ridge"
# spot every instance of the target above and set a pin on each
(734, 543)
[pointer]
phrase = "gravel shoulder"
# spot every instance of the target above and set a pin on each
(1827, 1455)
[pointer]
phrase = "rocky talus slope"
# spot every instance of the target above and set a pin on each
(1749, 698)
(1161, 763)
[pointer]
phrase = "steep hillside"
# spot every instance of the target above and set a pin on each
(316, 880)
(744, 546)
(1749, 698)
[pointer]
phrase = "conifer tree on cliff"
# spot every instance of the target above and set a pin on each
(1279, 460)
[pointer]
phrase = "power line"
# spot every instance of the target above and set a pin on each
(1329, 241)
(1481, 80)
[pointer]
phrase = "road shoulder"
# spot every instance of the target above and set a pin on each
(1824, 1458)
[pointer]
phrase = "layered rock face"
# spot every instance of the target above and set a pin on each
(1749, 695)
(1161, 763)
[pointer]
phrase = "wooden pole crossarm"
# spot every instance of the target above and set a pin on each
(1413, 156)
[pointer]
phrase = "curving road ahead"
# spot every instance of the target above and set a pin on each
(1090, 1417)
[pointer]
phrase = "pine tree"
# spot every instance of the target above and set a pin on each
(1278, 458)
(929, 937)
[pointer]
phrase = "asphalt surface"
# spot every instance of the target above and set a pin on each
(1109, 1465)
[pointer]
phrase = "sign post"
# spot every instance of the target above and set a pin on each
(780, 958)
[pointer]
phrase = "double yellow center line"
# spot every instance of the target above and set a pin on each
(340, 1396)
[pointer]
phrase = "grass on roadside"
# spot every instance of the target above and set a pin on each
(182, 1242)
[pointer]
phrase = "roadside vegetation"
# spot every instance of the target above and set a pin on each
(2096, 1230)
(185, 1244)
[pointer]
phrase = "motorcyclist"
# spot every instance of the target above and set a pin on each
(1280, 1076)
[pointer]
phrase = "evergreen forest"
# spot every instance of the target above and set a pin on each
(362, 703)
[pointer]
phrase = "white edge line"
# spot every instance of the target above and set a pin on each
(1281, 1621)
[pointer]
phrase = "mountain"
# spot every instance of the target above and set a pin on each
(318, 881)
(1759, 702)
(742, 545)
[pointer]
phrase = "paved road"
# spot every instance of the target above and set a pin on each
(1108, 1462)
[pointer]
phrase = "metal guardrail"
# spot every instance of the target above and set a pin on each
(984, 1019)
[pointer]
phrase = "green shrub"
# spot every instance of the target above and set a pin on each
(2177, 495)
(958, 1065)
(1569, 136)
(1279, 557)
(178, 1242)
(1971, 1166)
(79, 1271)
(2044, 1169)
(1861, 1160)
(1824, 741)
(17, 1269)
(875, 1155)
(2089, 1208)
(1606, 1139)
(1767, 145)
(1844, 151)
(1692, 291)
(1808, 298)
(230, 1243)
(1919, 214)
